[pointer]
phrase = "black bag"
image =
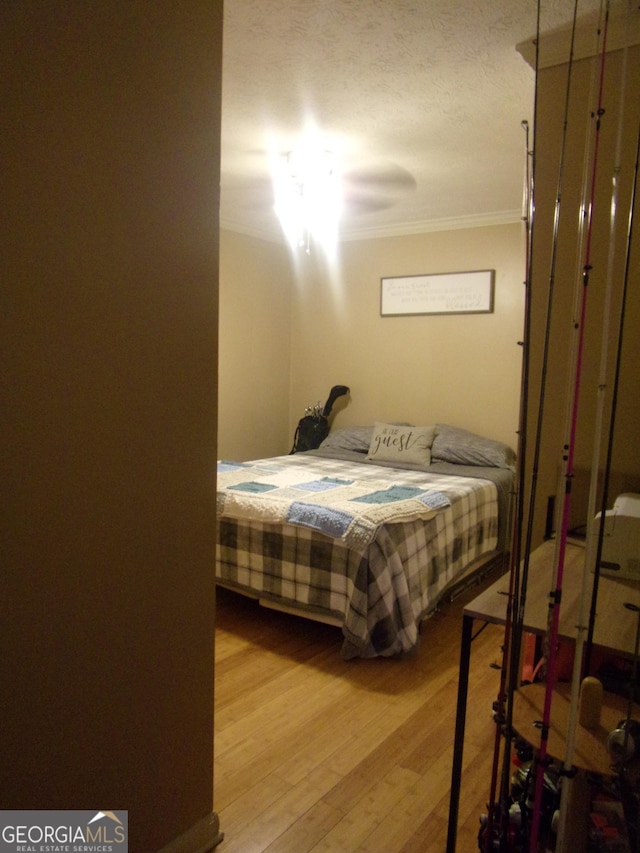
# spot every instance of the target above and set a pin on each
(310, 433)
(313, 429)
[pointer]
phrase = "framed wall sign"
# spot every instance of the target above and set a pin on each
(443, 293)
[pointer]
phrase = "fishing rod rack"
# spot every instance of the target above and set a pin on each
(566, 763)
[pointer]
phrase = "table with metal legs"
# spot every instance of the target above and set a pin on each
(614, 633)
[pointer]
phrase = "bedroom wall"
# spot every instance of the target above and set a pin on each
(110, 159)
(322, 327)
(291, 328)
(458, 369)
(254, 347)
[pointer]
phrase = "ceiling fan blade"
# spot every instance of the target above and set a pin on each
(388, 178)
(372, 188)
(356, 203)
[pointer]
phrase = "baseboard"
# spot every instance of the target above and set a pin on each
(202, 837)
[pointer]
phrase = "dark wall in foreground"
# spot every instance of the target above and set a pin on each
(108, 329)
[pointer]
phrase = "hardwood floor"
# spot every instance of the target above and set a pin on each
(313, 753)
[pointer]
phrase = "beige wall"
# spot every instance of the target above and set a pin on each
(110, 158)
(321, 326)
(458, 369)
(255, 347)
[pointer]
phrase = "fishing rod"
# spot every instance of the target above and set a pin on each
(535, 468)
(593, 546)
(623, 770)
(498, 807)
(575, 381)
(614, 399)
(582, 653)
(594, 561)
(520, 557)
(513, 635)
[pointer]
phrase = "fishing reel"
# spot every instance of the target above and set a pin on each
(624, 742)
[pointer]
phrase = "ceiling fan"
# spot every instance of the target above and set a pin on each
(376, 186)
(365, 188)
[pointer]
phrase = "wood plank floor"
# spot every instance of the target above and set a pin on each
(313, 753)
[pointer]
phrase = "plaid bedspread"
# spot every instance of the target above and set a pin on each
(379, 590)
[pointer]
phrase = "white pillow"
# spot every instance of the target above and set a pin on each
(392, 443)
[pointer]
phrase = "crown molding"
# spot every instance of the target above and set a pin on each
(399, 229)
(426, 226)
(272, 235)
(623, 30)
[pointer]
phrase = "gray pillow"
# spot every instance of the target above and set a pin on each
(452, 444)
(356, 438)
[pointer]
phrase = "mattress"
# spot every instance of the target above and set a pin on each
(378, 586)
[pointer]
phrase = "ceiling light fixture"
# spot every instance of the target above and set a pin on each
(307, 197)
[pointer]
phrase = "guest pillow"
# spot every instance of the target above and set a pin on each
(452, 444)
(394, 443)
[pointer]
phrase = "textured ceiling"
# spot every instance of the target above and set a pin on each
(434, 88)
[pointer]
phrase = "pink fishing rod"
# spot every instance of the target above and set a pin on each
(556, 593)
(593, 544)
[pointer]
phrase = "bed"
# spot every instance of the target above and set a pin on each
(368, 531)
